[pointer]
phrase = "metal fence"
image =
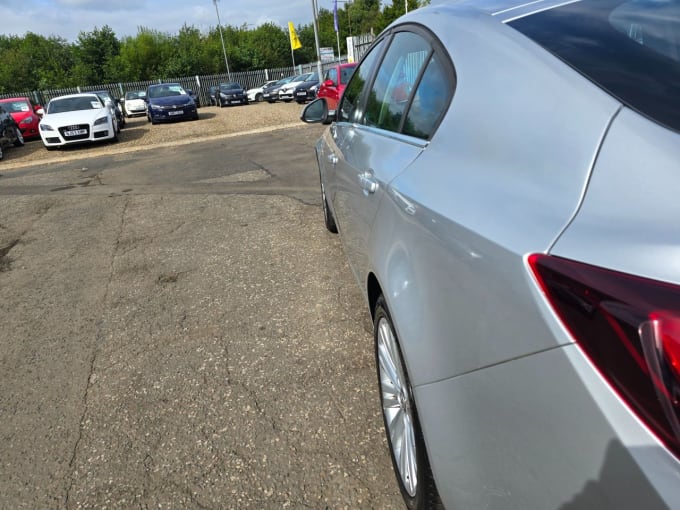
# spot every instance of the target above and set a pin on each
(199, 84)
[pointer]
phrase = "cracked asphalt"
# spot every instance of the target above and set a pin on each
(179, 330)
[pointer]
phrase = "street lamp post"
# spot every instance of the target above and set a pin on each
(315, 14)
(224, 48)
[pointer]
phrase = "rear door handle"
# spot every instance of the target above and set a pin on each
(368, 183)
(332, 159)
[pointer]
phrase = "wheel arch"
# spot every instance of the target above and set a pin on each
(373, 292)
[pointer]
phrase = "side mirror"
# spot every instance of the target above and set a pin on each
(317, 112)
(329, 83)
(40, 111)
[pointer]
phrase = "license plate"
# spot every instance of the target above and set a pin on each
(176, 112)
(235, 102)
(75, 132)
(302, 93)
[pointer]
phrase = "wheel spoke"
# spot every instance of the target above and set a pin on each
(410, 464)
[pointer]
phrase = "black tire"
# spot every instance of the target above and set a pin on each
(421, 493)
(148, 117)
(258, 98)
(19, 138)
(328, 218)
(219, 103)
(0, 151)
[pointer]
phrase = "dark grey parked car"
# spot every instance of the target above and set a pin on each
(10, 134)
(229, 94)
(504, 176)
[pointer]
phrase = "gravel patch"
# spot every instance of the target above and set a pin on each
(138, 134)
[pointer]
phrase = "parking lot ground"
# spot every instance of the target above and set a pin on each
(180, 331)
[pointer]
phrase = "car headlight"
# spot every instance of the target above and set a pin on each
(46, 127)
(27, 120)
(155, 107)
(101, 120)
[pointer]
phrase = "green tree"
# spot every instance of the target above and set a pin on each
(95, 54)
(34, 62)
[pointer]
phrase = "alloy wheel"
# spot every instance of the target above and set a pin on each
(397, 406)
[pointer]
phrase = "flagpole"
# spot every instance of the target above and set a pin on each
(224, 49)
(335, 25)
(316, 39)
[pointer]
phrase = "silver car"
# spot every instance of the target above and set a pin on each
(504, 176)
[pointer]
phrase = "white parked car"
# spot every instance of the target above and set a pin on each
(133, 103)
(287, 92)
(255, 94)
(78, 118)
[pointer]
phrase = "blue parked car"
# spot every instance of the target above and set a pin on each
(169, 102)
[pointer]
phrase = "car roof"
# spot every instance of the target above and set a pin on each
(502, 10)
(80, 94)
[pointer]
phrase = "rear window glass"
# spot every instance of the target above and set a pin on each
(631, 49)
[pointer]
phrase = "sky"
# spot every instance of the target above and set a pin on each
(67, 18)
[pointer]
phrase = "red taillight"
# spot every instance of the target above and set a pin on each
(629, 327)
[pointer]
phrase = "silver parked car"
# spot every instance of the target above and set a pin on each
(504, 176)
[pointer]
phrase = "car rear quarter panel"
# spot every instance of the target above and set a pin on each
(502, 177)
(629, 218)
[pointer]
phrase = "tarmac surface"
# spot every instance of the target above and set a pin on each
(179, 330)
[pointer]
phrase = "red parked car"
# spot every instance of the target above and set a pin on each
(26, 114)
(334, 82)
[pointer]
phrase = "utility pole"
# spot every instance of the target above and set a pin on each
(224, 48)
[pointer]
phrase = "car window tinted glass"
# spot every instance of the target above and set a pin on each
(166, 91)
(429, 101)
(395, 80)
(332, 75)
(348, 110)
(17, 106)
(346, 73)
(72, 104)
(631, 49)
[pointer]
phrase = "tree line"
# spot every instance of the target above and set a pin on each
(35, 62)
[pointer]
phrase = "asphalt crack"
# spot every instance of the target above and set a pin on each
(91, 379)
(5, 260)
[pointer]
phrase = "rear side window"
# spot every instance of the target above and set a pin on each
(631, 49)
(429, 101)
(396, 78)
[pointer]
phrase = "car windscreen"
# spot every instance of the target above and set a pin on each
(230, 86)
(74, 104)
(631, 49)
(135, 95)
(19, 106)
(166, 91)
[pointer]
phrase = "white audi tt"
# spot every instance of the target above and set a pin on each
(78, 118)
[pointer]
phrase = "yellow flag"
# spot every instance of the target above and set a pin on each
(294, 39)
